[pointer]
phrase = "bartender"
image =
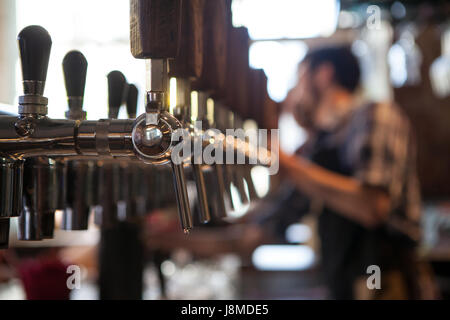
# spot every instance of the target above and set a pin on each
(360, 167)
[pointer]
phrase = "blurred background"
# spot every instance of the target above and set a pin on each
(403, 48)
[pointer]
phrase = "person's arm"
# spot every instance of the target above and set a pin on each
(346, 195)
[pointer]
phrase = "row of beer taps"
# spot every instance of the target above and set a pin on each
(119, 168)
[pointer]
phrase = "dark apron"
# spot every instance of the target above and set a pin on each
(347, 248)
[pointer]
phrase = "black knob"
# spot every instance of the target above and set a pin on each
(116, 87)
(75, 68)
(34, 47)
(132, 101)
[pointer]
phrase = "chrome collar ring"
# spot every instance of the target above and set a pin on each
(153, 143)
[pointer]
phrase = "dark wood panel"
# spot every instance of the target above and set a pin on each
(189, 60)
(155, 28)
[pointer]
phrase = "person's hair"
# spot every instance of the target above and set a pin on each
(345, 64)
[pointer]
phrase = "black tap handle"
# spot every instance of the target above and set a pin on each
(75, 68)
(116, 87)
(34, 47)
(132, 101)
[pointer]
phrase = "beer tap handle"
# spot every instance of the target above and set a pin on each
(155, 28)
(155, 40)
(237, 96)
(132, 98)
(75, 68)
(34, 48)
(258, 90)
(188, 63)
(217, 17)
(116, 87)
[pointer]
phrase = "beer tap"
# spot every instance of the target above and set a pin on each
(235, 170)
(214, 173)
(111, 199)
(185, 67)
(211, 83)
(122, 202)
(257, 100)
(132, 96)
(214, 176)
(157, 40)
(224, 170)
(80, 173)
(237, 97)
(137, 182)
(245, 169)
(41, 174)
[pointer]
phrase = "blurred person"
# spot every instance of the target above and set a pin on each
(358, 169)
(356, 172)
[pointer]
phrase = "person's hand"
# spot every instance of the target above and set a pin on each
(292, 165)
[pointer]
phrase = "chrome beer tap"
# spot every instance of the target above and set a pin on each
(80, 173)
(211, 85)
(111, 205)
(41, 188)
(138, 183)
(157, 40)
(244, 170)
(215, 176)
(186, 67)
(235, 169)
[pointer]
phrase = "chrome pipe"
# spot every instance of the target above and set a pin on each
(202, 198)
(184, 210)
(34, 136)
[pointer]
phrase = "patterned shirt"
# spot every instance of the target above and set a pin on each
(374, 144)
(380, 148)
